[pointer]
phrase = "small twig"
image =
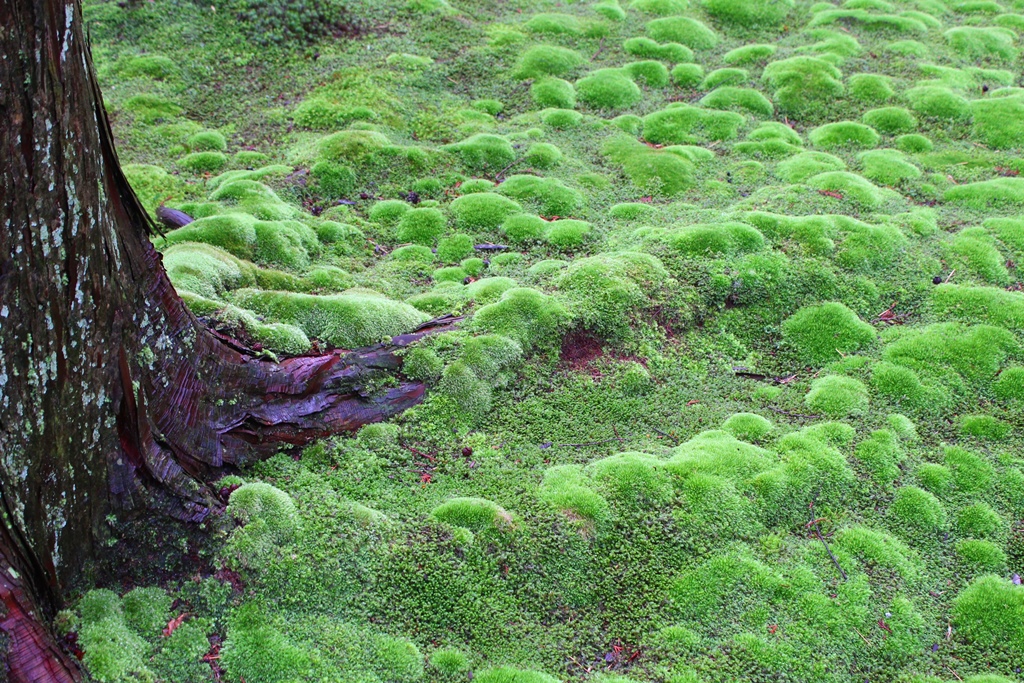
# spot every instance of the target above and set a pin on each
(817, 532)
(954, 672)
(512, 163)
(600, 49)
(419, 453)
(591, 443)
(950, 276)
(667, 435)
(868, 642)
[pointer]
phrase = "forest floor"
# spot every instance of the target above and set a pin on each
(737, 393)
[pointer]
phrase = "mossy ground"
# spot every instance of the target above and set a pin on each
(760, 270)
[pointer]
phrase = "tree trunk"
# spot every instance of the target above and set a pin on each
(112, 394)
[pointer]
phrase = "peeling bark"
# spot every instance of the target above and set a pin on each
(112, 394)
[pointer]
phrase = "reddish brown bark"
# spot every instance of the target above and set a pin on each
(112, 394)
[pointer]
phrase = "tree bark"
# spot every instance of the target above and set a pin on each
(112, 395)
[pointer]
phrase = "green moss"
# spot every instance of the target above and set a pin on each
(510, 675)
(876, 549)
(902, 386)
(749, 14)
(743, 99)
(970, 471)
(976, 43)
(284, 243)
(347, 320)
(888, 166)
(938, 102)
(850, 186)
(156, 67)
(567, 233)
(748, 426)
(482, 210)
(713, 239)
(474, 185)
(728, 76)
(684, 124)
(988, 193)
(606, 290)
(803, 84)
(397, 660)
(113, 653)
(976, 352)
(820, 333)
(525, 315)
(632, 211)
(421, 226)
(99, 604)
(979, 521)
(871, 88)
(449, 274)
(151, 109)
(984, 427)
(800, 167)
(837, 396)
(999, 122)
(449, 661)
(1010, 383)
(454, 248)
(413, 253)
(908, 48)
(547, 60)
(555, 23)
(844, 134)
(669, 52)
(687, 75)
(476, 514)
(146, 610)
(351, 146)
(632, 479)
(914, 512)
(935, 478)
(550, 196)
(259, 652)
(981, 556)
(524, 227)
(990, 612)
(651, 73)
(890, 120)
(153, 185)
(748, 54)
(609, 9)
(553, 92)
(981, 304)
(608, 89)
(561, 119)
(234, 233)
(207, 141)
(913, 143)
(690, 32)
(485, 153)
(567, 489)
(332, 179)
(881, 455)
(973, 250)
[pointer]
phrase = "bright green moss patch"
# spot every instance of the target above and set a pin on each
(553, 92)
(914, 511)
(802, 84)
(983, 304)
(482, 210)
(938, 102)
(743, 99)
(802, 166)
(988, 43)
(974, 251)
(510, 675)
(988, 193)
(421, 226)
(485, 153)
(748, 13)
(151, 108)
(690, 32)
(476, 514)
(913, 143)
(608, 89)
(655, 171)
(1010, 383)
(352, 145)
(525, 315)
(849, 186)
(652, 49)
(821, 333)
(346, 320)
(890, 120)
(650, 73)
(871, 88)
(684, 124)
(844, 134)
(837, 396)
(748, 426)
(547, 60)
(999, 122)
(984, 427)
(888, 166)
(981, 556)
(748, 54)
(991, 611)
